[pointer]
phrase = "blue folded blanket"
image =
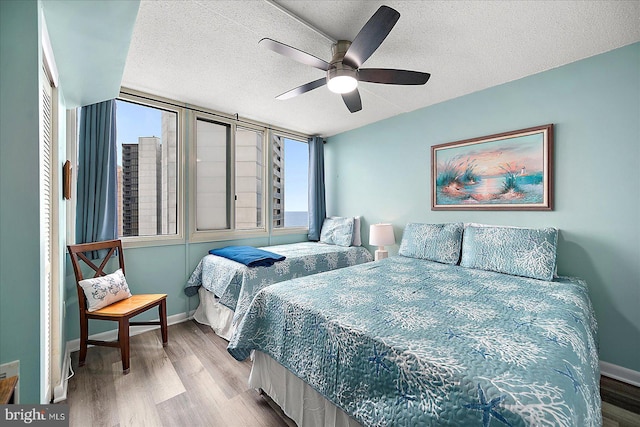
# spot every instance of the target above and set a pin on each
(248, 255)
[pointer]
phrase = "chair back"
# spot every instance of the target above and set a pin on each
(78, 254)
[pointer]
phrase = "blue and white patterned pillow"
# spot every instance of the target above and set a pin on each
(527, 252)
(433, 242)
(105, 290)
(357, 239)
(337, 231)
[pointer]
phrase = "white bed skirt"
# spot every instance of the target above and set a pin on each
(298, 400)
(211, 312)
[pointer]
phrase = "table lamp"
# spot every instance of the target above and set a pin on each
(381, 235)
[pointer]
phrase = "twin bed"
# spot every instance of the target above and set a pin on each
(226, 288)
(467, 326)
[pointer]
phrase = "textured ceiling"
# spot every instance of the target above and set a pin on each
(206, 52)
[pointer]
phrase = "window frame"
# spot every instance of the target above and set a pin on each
(158, 102)
(186, 173)
(265, 174)
(231, 233)
(280, 231)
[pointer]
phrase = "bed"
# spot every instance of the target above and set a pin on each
(226, 288)
(414, 341)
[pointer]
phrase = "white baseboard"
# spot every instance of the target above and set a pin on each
(60, 390)
(620, 373)
(112, 335)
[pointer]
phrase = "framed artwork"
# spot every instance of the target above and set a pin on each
(506, 171)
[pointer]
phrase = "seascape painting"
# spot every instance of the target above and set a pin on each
(508, 171)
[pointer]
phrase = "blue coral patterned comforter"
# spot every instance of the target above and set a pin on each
(236, 284)
(408, 342)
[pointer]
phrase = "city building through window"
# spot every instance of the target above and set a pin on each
(147, 170)
(231, 194)
(217, 194)
(290, 159)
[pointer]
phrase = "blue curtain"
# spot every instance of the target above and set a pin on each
(96, 209)
(317, 203)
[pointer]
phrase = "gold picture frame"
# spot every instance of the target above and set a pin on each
(506, 171)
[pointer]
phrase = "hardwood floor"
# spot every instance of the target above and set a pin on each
(620, 394)
(195, 382)
(620, 403)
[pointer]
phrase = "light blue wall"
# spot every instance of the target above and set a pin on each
(382, 171)
(19, 193)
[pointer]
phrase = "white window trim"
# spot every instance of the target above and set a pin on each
(232, 233)
(49, 60)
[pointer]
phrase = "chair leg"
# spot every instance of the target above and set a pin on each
(123, 339)
(84, 336)
(162, 308)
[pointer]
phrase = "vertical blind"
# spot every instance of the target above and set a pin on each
(45, 231)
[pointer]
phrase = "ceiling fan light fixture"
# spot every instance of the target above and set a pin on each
(342, 84)
(344, 70)
(341, 79)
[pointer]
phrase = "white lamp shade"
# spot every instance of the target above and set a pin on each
(381, 235)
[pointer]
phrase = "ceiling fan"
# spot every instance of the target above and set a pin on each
(344, 72)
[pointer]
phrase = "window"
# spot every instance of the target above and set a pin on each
(249, 172)
(229, 178)
(290, 158)
(212, 175)
(147, 144)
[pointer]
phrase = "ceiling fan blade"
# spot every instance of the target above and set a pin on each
(392, 77)
(303, 89)
(295, 54)
(352, 100)
(371, 36)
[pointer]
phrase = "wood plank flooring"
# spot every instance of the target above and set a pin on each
(620, 403)
(620, 394)
(195, 382)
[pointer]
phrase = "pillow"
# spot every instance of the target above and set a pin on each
(105, 290)
(433, 242)
(337, 231)
(527, 252)
(357, 239)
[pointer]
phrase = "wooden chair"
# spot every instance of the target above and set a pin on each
(120, 311)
